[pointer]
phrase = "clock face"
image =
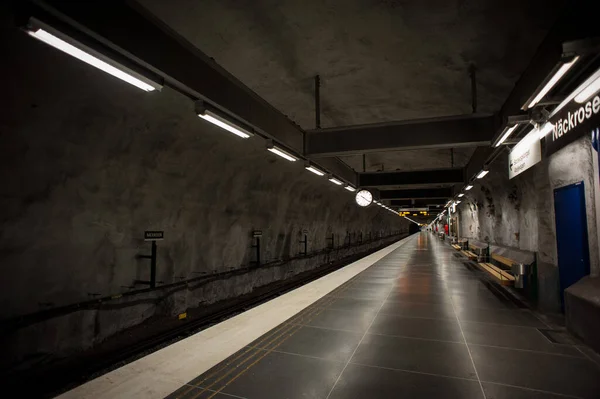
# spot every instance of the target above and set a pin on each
(364, 198)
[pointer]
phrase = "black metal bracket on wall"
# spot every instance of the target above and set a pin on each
(304, 251)
(151, 236)
(257, 234)
(331, 240)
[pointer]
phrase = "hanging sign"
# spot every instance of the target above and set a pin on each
(572, 122)
(525, 154)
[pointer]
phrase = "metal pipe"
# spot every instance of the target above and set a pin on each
(318, 102)
(473, 75)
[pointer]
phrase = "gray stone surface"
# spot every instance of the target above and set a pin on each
(88, 163)
(517, 216)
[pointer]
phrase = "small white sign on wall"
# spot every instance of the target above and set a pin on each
(525, 154)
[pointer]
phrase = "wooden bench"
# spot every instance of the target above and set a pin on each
(457, 247)
(470, 255)
(503, 260)
(505, 277)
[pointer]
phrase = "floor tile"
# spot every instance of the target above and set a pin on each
(495, 391)
(514, 337)
(557, 374)
(355, 304)
(439, 329)
(343, 320)
(449, 359)
(419, 297)
(280, 375)
(322, 343)
(412, 309)
(362, 294)
(192, 392)
(358, 382)
(514, 317)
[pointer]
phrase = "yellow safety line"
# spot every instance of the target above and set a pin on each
(310, 314)
(269, 350)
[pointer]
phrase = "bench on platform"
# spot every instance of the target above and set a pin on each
(470, 255)
(503, 276)
(456, 246)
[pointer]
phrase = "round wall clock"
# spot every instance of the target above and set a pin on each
(364, 198)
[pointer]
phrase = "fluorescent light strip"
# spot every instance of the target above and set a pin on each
(482, 174)
(93, 60)
(314, 170)
(350, 188)
(591, 89)
(224, 124)
(468, 187)
(505, 136)
(335, 181)
(460, 195)
(595, 76)
(457, 202)
(282, 153)
(553, 81)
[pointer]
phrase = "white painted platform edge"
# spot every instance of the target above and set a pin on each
(166, 370)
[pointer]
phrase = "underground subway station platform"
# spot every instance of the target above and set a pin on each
(300, 199)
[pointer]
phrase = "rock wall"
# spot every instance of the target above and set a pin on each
(519, 213)
(89, 162)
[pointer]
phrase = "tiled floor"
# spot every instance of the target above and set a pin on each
(417, 324)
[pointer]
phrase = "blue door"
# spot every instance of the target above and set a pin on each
(571, 235)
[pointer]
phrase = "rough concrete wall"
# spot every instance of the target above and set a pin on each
(519, 213)
(89, 162)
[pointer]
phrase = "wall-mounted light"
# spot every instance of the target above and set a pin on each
(221, 120)
(461, 195)
(335, 181)
(468, 187)
(350, 188)
(588, 91)
(559, 71)
(74, 48)
(482, 174)
(280, 151)
(505, 134)
(314, 170)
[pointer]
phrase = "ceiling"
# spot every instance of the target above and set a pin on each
(379, 60)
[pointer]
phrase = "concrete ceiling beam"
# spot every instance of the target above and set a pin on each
(182, 66)
(443, 132)
(418, 193)
(418, 177)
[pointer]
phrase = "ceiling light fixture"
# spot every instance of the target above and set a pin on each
(562, 70)
(592, 88)
(314, 170)
(506, 133)
(74, 48)
(335, 181)
(350, 188)
(468, 187)
(460, 195)
(280, 151)
(482, 174)
(219, 119)
(580, 92)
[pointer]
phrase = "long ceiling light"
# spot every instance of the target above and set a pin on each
(460, 195)
(314, 170)
(280, 151)
(592, 88)
(580, 92)
(507, 132)
(335, 181)
(468, 187)
(482, 174)
(66, 44)
(350, 188)
(564, 68)
(217, 118)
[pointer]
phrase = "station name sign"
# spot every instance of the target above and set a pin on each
(572, 122)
